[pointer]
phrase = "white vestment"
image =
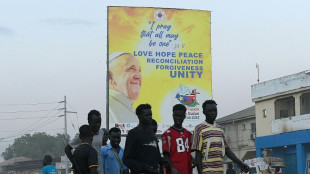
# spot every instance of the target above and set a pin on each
(120, 108)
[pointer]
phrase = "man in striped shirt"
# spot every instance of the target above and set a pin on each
(210, 144)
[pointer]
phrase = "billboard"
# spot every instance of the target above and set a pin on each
(158, 56)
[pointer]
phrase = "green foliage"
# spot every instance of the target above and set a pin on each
(36, 146)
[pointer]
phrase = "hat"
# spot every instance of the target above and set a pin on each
(116, 54)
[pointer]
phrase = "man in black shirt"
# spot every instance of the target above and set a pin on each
(85, 159)
(141, 154)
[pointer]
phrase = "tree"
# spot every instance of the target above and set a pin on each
(36, 146)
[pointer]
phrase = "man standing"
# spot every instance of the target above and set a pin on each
(142, 153)
(230, 169)
(124, 87)
(48, 167)
(177, 144)
(85, 160)
(94, 121)
(210, 144)
(154, 126)
(112, 154)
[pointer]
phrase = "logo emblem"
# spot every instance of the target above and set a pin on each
(120, 126)
(160, 15)
(187, 96)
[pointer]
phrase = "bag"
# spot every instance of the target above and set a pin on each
(118, 160)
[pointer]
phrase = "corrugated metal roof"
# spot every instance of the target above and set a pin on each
(240, 115)
(14, 160)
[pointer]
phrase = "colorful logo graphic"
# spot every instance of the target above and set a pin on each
(122, 126)
(159, 15)
(187, 96)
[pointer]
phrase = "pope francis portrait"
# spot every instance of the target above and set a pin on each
(124, 87)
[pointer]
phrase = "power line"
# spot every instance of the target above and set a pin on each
(35, 130)
(28, 131)
(73, 126)
(29, 104)
(24, 118)
(73, 123)
(77, 116)
(8, 131)
(46, 123)
(71, 106)
(6, 141)
(28, 128)
(44, 116)
(13, 112)
(1, 139)
(49, 118)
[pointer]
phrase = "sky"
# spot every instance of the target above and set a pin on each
(51, 49)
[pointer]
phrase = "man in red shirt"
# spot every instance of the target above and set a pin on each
(176, 143)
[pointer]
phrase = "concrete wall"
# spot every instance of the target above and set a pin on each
(265, 95)
(291, 124)
(238, 138)
(280, 85)
(263, 124)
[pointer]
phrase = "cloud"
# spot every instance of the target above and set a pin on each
(67, 22)
(6, 31)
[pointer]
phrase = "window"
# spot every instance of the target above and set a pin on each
(285, 107)
(253, 127)
(283, 113)
(243, 126)
(305, 104)
(264, 113)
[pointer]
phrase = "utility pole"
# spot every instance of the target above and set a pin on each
(257, 67)
(66, 135)
(65, 127)
(65, 116)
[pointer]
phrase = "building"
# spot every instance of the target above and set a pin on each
(22, 165)
(282, 108)
(240, 132)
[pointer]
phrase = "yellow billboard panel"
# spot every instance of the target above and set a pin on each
(161, 57)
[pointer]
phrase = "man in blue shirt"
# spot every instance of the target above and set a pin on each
(112, 154)
(48, 167)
